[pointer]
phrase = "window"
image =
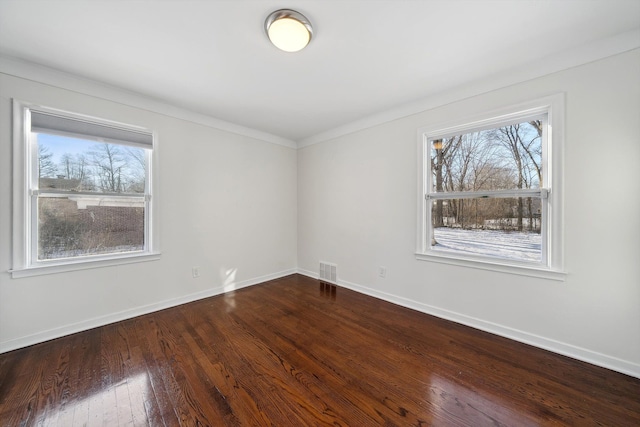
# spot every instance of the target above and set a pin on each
(490, 193)
(82, 191)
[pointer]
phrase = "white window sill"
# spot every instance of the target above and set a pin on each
(83, 264)
(494, 265)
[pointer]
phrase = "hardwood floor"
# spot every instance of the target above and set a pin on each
(291, 352)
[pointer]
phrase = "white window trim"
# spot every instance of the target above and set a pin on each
(23, 221)
(553, 230)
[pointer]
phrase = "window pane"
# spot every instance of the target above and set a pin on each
(504, 158)
(73, 164)
(506, 228)
(84, 225)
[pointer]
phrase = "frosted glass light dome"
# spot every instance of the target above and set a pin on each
(288, 30)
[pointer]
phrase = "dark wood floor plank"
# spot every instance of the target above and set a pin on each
(288, 386)
(398, 410)
(316, 372)
(113, 353)
(191, 373)
(167, 392)
(164, 343)
(294, 352)
(222, 338)
(388, 375)
(212, 363)
(160, 407)
(18, 386)
(71, 383)
(338, 339)
(247, 375)
(51, 390)
(30, 398)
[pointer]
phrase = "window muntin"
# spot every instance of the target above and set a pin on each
(86, 189)
(480, 196)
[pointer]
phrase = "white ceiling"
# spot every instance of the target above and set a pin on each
(366, 57)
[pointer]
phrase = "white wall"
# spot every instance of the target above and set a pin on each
(357, 208)
(227, 205)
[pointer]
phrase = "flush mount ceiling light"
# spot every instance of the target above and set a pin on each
(288, 30)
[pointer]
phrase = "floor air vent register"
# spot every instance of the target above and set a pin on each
(328, 273)
(328, 280)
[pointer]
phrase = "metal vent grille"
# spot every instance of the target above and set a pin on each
(328, 272)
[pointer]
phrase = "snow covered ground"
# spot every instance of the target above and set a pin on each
(514, 245)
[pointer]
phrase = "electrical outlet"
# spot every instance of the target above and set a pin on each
(195, 272)
(382, 272)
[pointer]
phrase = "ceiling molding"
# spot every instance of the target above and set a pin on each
(558, 62)
(52, 77)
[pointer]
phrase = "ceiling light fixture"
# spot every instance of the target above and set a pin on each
(288, 30)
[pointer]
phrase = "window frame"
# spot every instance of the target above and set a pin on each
(25, 260)
(551, 265)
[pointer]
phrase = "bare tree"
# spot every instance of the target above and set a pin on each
(109, 166)
(459, 162)
(534, 148)
(525, 150)
(81, 172)
(137, 165)
(118, 169)
(444, 152)
(473, 166)
(66, 165)
(510, 137)
(46, 167)
(76, 168)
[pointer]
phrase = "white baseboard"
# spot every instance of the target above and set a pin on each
(84, 325)
(585, 355)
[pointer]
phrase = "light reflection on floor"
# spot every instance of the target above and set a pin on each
(122, 403)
